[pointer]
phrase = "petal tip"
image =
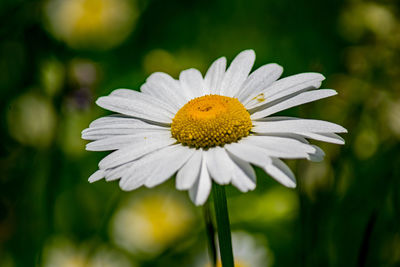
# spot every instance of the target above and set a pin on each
(96, 176)
(100, 101)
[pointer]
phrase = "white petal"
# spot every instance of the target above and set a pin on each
(121, 141)
(137, 172)
(243, 177)
(294, 136)
(326, 137)
(297, 125)
(190, 171)
(252, 154)
(192, 82)
(318, 156)
(219, 165)
(165, 87)
(259, 80)
(135, 96)
(97, 175)
(281, 173)
(297, 100)
(299, 80)
(119, 171)
(136, 108)
(278, 118)
(133, 151)
(279, 146)
(136, 181)
(109, 121)
(202, 187)
(176, 156)
(116, 125)
(237, 73)
(285, 87)
(215, 75)
(102, 133)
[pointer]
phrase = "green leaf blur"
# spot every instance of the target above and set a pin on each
(58, 56)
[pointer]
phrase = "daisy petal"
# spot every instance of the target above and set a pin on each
(285, 87)
(102, 133)
(133, 151)
(111, 120)
(302, 80)
(97, 175)
(297, 125)
(219, 165)
(252, 154)
(177, 155)
(280, 146)
(297, 100)
(120, 141)
(326, 137)
(215, 75)
(190, 171)
(281, 173)
(135, 95)
(136, 108)
(294, 136)
(237, 73)
(243, 176)
(259, 80)
(118, 125)
(318, 156)
(137, 172)
(202, 187)
(119, 171)
(192, 82)
(165, 87)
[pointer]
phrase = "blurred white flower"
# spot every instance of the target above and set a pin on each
(32, 120)
(149, 222)
(62, 252)
(98, 24)
(361, 17)
(248, 250)
(108, 257)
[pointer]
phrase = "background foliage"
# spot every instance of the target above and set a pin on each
(58, 56)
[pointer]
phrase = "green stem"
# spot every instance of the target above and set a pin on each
(223, 227)
(210, 230)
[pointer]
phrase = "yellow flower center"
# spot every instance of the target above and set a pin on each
(211, 120)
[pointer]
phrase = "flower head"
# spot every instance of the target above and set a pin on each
(209, 129)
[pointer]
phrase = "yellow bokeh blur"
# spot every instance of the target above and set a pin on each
(61, 251)
(91, 24)
(32, 120)
(150, 222)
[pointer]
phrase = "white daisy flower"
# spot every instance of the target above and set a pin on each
(249, 250)
(209, 129)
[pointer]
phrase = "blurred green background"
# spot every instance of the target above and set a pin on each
(58, 56)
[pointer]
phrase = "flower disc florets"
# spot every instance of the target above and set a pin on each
(211, 120)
